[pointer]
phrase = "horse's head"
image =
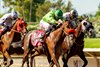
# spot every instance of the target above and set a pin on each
(21, 25)
(87, 27)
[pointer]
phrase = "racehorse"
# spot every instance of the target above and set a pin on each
(14, 35)
(15, 48)
(77, 48)
(57, 35)
(33, 50)
(89, 32)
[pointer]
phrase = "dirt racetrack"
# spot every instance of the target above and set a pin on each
(40, 61)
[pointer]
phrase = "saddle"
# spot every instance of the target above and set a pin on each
(36, 38)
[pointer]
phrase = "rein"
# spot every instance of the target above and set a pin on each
(65, 32)
(15, 31)
(78, 44)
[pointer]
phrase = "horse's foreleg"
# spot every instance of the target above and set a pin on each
(7, 56)
(82, 56)
(65, 59)
(53, 57)
(51, 64)
(5, 60)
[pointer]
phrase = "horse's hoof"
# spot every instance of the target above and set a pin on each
(5, 63)
(10, 63)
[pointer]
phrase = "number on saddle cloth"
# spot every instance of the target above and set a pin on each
(36, 38)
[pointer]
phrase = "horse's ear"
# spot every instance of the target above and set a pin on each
(18, 18)
(22, 18)
(82, 18)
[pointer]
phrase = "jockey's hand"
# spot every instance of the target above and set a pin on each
(59, 22)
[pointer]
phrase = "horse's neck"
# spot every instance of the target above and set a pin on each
(81, 36)
(8, 37)
(78, 30)
(56, 35)
(13, 28)
(80, 39)
(58, 32)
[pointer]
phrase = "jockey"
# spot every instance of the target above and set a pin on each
(71, 16)
(49, 21)
(6, 21)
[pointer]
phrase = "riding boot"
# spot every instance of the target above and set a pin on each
(46, 33)
(4, 31)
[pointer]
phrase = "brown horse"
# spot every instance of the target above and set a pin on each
(15, 48)
(77, 48)
(33, 50)
(55, 37)
(12, 36)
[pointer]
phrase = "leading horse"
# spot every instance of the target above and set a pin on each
(13, 35)
(55, 37)
(77, 48)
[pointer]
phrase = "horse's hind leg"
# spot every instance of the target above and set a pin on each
(25, 58)
(5, 60)
(65, 59)
(51, 64)
(82, 56)
(32, 55)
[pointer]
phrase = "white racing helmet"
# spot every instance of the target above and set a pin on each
(14, 15)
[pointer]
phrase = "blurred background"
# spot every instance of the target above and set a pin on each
(33, 10)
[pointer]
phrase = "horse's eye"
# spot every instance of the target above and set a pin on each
(91, 23)
(84, 23)
(20, 25)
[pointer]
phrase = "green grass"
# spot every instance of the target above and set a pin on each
(92, 42)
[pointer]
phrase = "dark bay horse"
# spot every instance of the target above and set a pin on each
(13, 35)
(55, 37)
(77, 48)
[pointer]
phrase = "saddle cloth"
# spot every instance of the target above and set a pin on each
(36, 38)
